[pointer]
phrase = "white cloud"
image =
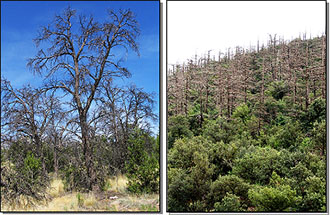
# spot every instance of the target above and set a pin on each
(198, 26)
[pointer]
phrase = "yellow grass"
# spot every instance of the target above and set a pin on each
(56, 188)
(117, 183)
(64, 201)
(145, 202)
(68, 202)
(23, 204)
(90, 200)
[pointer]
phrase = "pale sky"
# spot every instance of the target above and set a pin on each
(194, 27)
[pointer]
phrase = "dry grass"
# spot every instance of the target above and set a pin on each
(22, 204)
(56, 188)
(90, 201)
(74, 201)
(117, 183)
(63, 203)
(71, 202)
(146, 202)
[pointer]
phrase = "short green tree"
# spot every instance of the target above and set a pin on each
(315, 196)
(23, 179)
(279, 198)
(257, 167)
(178, 127)
(190, 172)
(228, 184)
(316, 112)
(319, 137)
(143, 165)
(229, 203)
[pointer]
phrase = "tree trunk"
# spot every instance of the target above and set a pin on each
(220, 91)
(88, 155)
(55, 162)
(228, 93)
(228, 103)
(207, 98)
(294, 87)
(55, 158)
(307, 89)
(201, 109)
(186, 97)
(307, 78)
(43, 161)
(115, 122)
(263, 81)
(324, 68)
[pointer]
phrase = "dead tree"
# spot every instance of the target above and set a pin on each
(123, 111)
(80, 58)
(27, 111)
(58, 132)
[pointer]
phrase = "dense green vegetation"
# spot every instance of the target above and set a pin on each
(247, 132)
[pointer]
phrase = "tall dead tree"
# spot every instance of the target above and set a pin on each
(80, 58)
(246, 76)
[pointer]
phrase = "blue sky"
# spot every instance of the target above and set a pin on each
(21, 20)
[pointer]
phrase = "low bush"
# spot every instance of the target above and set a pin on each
(229, 203)
(143, 164)
(23, 180)
(75, 177)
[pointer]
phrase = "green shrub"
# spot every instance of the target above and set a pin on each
(242, 113)
(285, 136)
(75, 177)
(80, 200)
(219, 130)
(315, 198)
(229, 203)
(223, 156)
(278, 89)
(24, 179)
(143, 165)
(279, 198)
(228, 184)
(316, 112)
(179, 190)
(319, 137)
(178, 127)
(258, 166)
(190, 172)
